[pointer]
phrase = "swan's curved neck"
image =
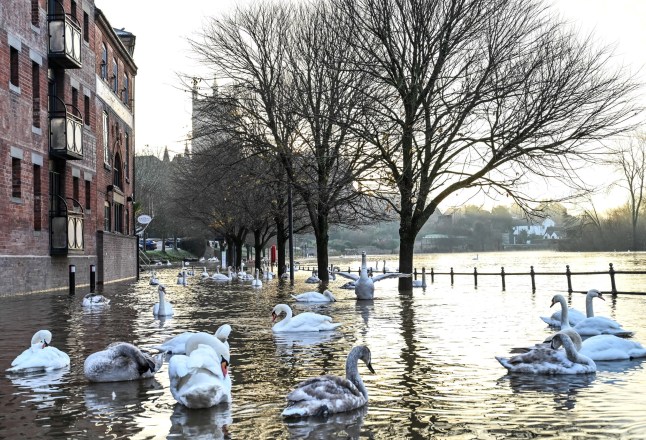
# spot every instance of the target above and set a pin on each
(572, 353)
(162, 302)
(589, 309)
(565, 319)
(352, 372)
(288, 312)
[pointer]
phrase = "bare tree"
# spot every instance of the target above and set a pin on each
(477, 94)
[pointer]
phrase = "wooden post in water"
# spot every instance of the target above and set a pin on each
(432, 276)
(531, 274)
(451, 276)
(502, 275)
(415, 273)
(568, 274)
(612, 280)
(475, 277)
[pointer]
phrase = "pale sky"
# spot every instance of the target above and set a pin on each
(163, 110)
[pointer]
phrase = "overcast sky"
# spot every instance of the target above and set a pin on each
(163, 110)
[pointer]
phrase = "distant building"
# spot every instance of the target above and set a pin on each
(66, 145)
(545, 230)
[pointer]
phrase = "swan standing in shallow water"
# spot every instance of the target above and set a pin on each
(163, 307)
(200, 378)
(40, 356)
(329, 394)
(177, 344)
(364, 286)
(121, 361)
(599, 325)
(326, 296)
(551, 360)
(303, 322)
(95, 300)
(256, 282)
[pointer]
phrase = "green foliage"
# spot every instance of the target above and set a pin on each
(194, 245)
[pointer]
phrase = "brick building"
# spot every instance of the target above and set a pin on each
(67, 82)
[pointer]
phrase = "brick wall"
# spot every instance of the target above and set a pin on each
(117, 257)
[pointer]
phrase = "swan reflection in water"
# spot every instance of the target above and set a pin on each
(119, 399)
(201, 424)
(41, 387)
(365, 309)
(337, 425)
(287, 342)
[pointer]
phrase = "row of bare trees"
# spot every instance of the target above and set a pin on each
(370, 108)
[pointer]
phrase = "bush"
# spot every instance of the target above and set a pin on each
(194, 245)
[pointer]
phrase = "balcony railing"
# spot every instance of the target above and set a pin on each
(65, 130)
(64, 39)
(65, 227)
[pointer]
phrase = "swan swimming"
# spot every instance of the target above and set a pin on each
(40, 356)
(94, 299)
(573, 316)
(599, 325)
(177, 344)
(364, 285)
(256, 282)
(610, 348)
(163, 307)
(313, 279)
(326, 296)
(121, 361)
(200, 378)
(217, 276)
(204, 273)
(303, 322)
(551, 360)
(153, 279)
(323, 395)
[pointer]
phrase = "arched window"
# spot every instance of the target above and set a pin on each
(117, 172)
(104, 61)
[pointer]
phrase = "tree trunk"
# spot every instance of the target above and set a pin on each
(406, 252)
(280, 245)
(257, 247)
(322, 257)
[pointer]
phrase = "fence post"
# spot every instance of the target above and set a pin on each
(432, 276)
(451, 276)
(423, 277)
(92, 278)
(475, 277)
(72, 285)
(531, 274)
(415, 273)
(612, 280)
(502, 275)
(568, 274)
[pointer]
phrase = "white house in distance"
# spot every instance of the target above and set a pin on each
(545, 230)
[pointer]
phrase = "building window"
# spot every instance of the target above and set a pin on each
(106, 216)
(86, 27)
(116, 172)
(15, 178)
(118, 217)
(86, 110)
(75, 188)
(127, 167)
(115, 78)
(106, 149)
(88, 195)
(104, 61)
(35, 20)
(37, 199)
(75, 98)
(127, 228)
(14, 65)
(126, 91)
(35, 86)
(73, 10)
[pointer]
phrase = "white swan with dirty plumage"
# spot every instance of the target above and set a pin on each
(256, 281)
(599, 325)
(323, 395)
(326, 296)
(551, 360)
(153, 279)
(200, 378)
(121, 361)
(303, 322)
(40, 356)
(204, 273)
(95, 300)
(177, 344)
(364, 286)
(163, 307)
(217, 276)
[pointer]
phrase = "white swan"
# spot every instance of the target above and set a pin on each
(303, 322)
(565, 323)
(599, 325)
(177, 344)
(573, 315)
(350, 285)
(200, 378)
(95, 300)
(313, 279)
(217, 276)
(256, 282)
(121, 361)
(153, 279)
(163, 307)
(365, 285)
(267, 274)
(551, 360)
(204, 273)
(326, 296)
(40, 356)
(422, 282)
(181, 278)
(329, 394)
(610, 348)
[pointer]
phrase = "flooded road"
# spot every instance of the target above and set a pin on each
(433, 353)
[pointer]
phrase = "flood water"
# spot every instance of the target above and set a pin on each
(433, 353)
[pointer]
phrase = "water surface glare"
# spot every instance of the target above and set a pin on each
(433, 353)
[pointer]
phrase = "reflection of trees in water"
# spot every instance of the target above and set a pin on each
(565, 387)
(201, 424)
(340, 425)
